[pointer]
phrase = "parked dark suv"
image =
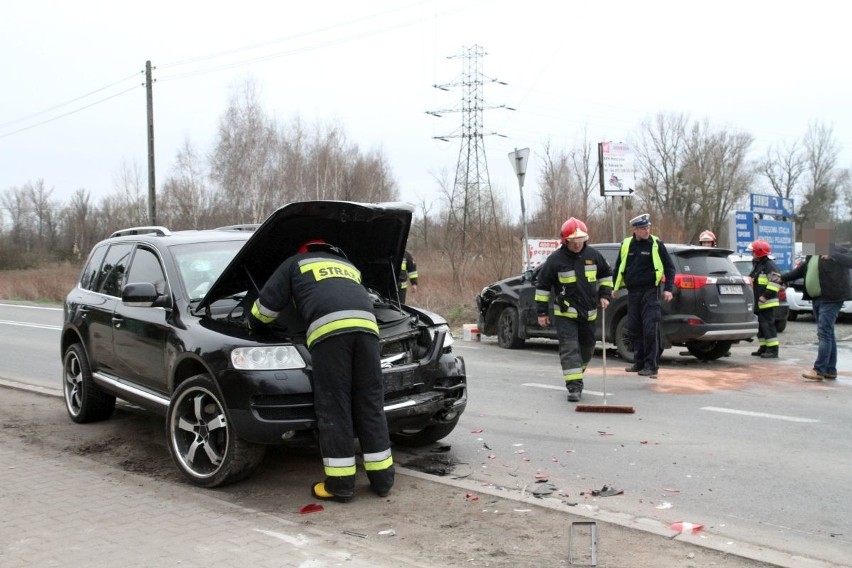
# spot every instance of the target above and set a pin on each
(158, 319)
(711, 308)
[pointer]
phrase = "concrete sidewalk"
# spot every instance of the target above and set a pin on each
(67, 511)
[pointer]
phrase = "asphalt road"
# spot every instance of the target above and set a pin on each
(742, 446)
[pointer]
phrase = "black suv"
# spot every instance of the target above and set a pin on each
(710, 310)
(158, 319)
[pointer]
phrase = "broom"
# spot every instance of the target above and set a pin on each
(604, 407)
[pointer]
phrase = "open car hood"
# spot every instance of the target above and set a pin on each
(373, 236)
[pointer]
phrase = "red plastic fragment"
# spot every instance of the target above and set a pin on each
(476, 431)
(312, 508)
(471, 496)
(683, 527)
(671, 490)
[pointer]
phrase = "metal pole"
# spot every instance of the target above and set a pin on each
(152, 192)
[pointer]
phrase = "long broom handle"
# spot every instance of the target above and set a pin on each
(603, 340)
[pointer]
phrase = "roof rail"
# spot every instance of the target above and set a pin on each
(159, 231)
(244, 227)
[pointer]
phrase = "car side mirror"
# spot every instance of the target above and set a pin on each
(139, 295)
(528, 275)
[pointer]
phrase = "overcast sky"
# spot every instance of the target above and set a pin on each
(767, 68)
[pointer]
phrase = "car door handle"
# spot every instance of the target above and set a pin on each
(117, 321)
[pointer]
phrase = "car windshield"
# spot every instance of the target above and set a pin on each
(200, 264)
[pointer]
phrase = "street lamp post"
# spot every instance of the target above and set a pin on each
(519, 160)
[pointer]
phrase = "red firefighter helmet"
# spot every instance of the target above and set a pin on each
(574, 230)
(305, 247)
(707, 237)
(760, 248)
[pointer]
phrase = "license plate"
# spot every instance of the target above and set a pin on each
(730, 289)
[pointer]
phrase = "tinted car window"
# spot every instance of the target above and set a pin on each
(704, 265)
(89, 277)
(146, 268)
(113, 269)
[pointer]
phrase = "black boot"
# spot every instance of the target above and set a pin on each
(770, 353)
(575, 390)
(759, 352)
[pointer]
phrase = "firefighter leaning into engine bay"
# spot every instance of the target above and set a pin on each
(343, 338)
(581, 280)
(763, 274)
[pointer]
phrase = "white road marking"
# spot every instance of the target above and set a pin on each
(562, 388)
(30, 307)
(25, 324)
(760, 414)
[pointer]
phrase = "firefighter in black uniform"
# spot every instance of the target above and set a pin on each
(582, 281)
(407, 275)
(342, 337)
(764, 272)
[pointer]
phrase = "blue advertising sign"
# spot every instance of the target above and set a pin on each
(744, 230)
(779, 235)
(771, 205)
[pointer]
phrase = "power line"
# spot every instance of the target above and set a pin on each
(69, 112)
(66, 103)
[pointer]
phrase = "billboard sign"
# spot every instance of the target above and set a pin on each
(771, 205)
(617, 171)
(539, 250)
(779, 235)
(743, 230)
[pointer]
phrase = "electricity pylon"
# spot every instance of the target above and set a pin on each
(472, 181)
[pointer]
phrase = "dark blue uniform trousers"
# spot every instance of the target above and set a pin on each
(643, 326)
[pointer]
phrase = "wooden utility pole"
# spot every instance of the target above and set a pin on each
(152, 185)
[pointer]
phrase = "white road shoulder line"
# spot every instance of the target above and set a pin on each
(25, 324)
(31, 307)
(759, 414)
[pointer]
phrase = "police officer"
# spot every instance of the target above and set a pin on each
(407, 274)
(342, 337)
(582, 281)
(642, 264)
(764, 275)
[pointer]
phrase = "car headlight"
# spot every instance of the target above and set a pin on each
(266, 358)
(448, 337)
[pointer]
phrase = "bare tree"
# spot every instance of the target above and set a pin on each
(783, 167)
(825, 181)
(660, 156)
(186, 198)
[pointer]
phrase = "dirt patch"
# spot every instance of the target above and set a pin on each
(443, 525)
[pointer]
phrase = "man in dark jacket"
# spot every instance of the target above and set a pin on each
(581, 280)
(827, 285)
(763, 276)
(643, 265)
(407, 276)
(343, 338)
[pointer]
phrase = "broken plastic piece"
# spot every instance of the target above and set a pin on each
(441, 449)
(476, 431)
(683, 527)
(312, 508)
(471, 496)
(542, 476)
(388, 532)
(664, 505)
(606, 491)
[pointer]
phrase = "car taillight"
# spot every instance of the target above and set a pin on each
(691, 282)
(782, 294)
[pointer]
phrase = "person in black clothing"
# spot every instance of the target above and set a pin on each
(827, 285)
(764, 276)
(642, 266)
(343, 338)
(407, 275)
(582, 281)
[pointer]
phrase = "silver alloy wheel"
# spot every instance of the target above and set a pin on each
(199, 431)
